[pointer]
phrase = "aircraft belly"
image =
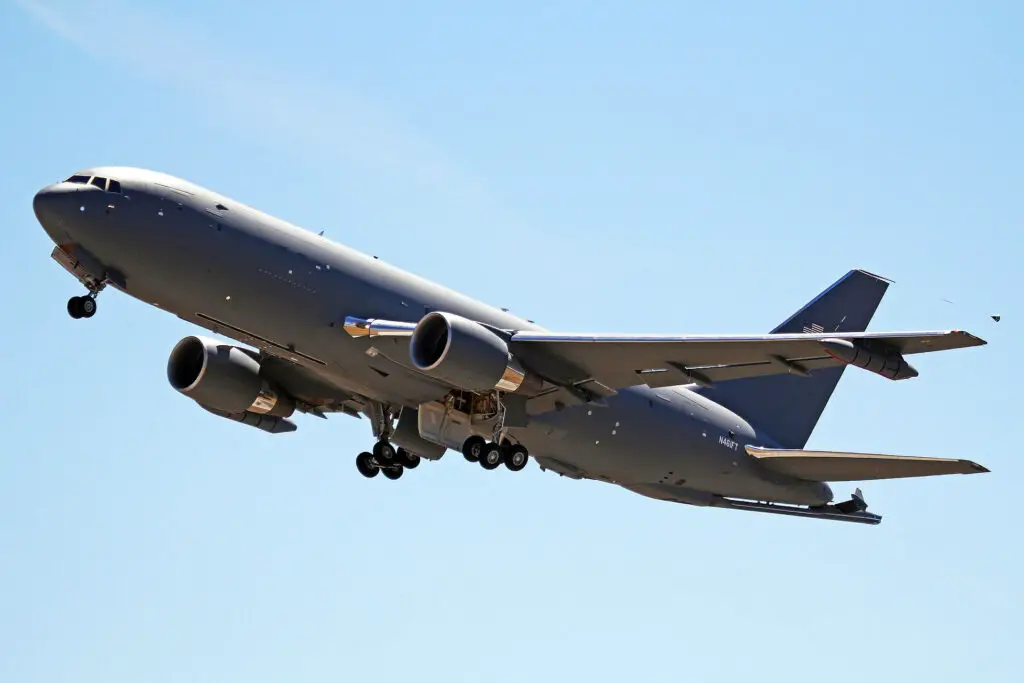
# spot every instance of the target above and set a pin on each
(634, 438)
(644, 440)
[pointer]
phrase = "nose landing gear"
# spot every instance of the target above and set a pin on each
(90, 272)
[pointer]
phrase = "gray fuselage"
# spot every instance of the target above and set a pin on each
(264, 282)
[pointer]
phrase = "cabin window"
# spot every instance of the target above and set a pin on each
(99, 182)
(114, 186)
(79, 179)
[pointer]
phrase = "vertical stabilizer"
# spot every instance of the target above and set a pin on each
(787, 407)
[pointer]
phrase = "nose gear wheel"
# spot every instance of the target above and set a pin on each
(81, 307)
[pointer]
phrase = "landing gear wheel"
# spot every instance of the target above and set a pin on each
(81, 307)
(393, 472)
(516, 457)
(490, 458)
(409, 461)
(366, 466)
(473, 448)
(384, 453)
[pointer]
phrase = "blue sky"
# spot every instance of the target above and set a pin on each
(633, 167)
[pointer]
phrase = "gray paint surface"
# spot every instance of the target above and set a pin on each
(265, 283)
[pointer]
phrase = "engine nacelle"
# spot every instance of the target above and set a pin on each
(225, 378)
(467, 355)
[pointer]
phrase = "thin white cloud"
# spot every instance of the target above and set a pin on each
(331, 125)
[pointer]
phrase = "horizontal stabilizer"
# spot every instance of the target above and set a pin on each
(834, 466)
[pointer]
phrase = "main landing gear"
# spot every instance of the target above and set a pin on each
(491, 455)
(385, 457)
(82, 306)
(392, 461)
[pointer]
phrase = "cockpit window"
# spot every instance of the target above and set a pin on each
(104, 184)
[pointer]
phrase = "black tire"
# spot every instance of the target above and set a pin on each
(473, 448)
(410, 461)
(87, 306)
(75, 307)
(516, 457)
(491, 456)
(393, 473)
(384, 453)
(366, 466)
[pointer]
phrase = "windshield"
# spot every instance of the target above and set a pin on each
(105, 184)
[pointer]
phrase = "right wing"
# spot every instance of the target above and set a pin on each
(588, 367)
(617, 361)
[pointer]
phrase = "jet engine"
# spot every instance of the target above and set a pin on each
(224, 379)
(467, 355)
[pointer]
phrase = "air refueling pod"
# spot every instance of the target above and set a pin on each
(890, 365)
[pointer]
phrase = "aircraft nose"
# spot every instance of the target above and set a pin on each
(45, 205)
(53, 206)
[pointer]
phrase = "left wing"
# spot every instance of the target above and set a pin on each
(609, 362)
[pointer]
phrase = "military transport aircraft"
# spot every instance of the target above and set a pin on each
(707, 420)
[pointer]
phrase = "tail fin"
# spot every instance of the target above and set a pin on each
(787, 407)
